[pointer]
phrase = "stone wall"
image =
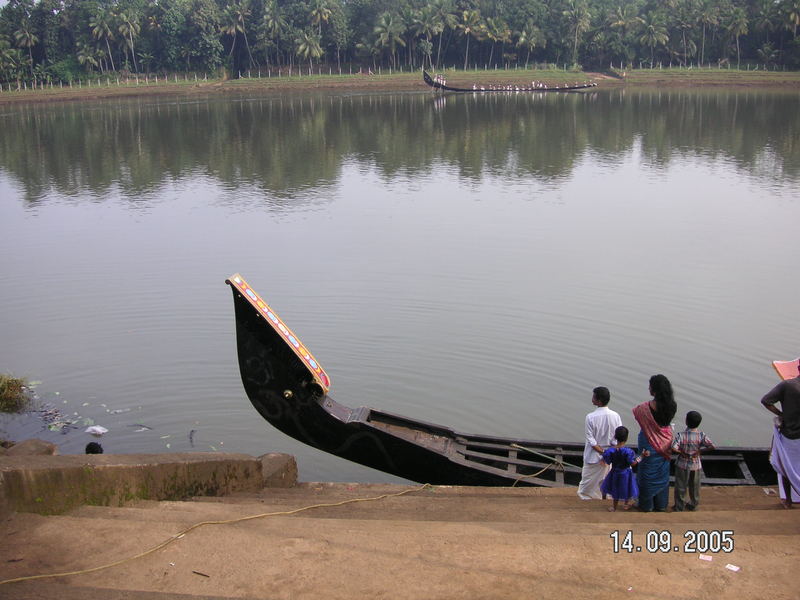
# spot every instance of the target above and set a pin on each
(54, 484)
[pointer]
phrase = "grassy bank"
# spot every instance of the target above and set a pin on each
(13, 394)
(406, 82)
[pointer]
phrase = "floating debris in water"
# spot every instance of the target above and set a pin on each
(168, 445)
(163, 437)
(214, 448)
(191, 437)
(54, 420)
(96, 430)
(119, 411)
(33, 384)
(85, 404)
(141, 427)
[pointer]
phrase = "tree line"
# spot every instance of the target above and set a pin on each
(67, 39)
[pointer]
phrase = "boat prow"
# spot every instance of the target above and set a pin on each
(290, 390)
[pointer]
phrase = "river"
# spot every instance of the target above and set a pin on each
(481, 262)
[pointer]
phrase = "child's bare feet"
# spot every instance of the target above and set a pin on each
(612, 509)
(626, 507)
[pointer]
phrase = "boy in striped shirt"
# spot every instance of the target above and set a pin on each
(687, 445)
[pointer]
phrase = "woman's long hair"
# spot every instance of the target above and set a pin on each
(666, 407)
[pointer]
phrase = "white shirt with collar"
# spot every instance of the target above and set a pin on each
(600, 426)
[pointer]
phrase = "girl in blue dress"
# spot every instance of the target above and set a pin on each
(620, 483)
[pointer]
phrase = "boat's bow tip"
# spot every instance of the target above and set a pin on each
(236, 277)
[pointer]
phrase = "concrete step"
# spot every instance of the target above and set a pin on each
(530, 510)
(59, 591)
(447, 543)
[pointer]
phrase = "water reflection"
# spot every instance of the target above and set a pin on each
(278, 147)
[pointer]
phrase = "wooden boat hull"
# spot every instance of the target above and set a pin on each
(436, 85)
(289, 389)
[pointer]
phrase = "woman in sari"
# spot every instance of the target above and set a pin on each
(655, 419)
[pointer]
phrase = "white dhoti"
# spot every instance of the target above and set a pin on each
(785, 459)
(592, 475)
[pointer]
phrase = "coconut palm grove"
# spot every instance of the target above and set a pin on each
(65, 40)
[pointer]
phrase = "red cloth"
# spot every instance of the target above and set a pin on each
(660, 438)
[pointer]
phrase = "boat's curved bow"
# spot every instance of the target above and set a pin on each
(290, 389)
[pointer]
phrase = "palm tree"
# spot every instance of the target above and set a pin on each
(407, 16)
(497, 31)
(654, 34)
(579, 18)
(684, 19)
(320, 13)
(445, 15)
(233, 22)
(87, 56)
(26, 39)
(471, 25)
(10, 61)
(129, 27)
(737, 27)
(389, 32)
(427, 24)
(765, 18)
(242, 10)
(307, 47)
(793, 16)
(530, 37)
(767, 53)
(101, 25)
(708, 17)
(626, 19)
(273, 25)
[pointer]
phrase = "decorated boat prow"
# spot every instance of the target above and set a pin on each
(291, 390)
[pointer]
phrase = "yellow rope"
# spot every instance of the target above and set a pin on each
(196, 525)
(520, 478)
(557, 463)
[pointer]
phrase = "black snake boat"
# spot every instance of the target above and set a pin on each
(290, 389)
(438, 85)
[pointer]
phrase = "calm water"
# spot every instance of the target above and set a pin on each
(478, 262)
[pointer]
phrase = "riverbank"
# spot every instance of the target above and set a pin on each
(321, 540)
(408, 82)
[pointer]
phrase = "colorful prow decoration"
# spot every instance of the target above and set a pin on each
(787, 369)
(320, 376)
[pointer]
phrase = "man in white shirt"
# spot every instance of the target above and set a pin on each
(600, 426)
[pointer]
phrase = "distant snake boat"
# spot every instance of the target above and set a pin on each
(290, 389)
(438, 85)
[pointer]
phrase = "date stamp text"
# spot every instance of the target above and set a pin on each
(711, 541)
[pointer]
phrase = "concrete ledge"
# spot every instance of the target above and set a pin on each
(55, 484)
(278, 470)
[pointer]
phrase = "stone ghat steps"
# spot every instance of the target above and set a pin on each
(713, 497)
(60, 591)
(539, 510)
(433, 543)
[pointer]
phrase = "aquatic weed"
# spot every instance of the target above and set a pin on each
(14, 395)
